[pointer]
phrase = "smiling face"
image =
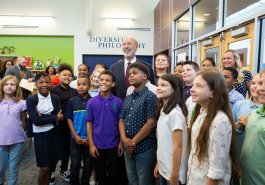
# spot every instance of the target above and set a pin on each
(200, 92)
(254, 85)
(188, 74)
(164, 89)
(178, 71)
(10, 88)
(43, 85)
(8, 64)
(82, 70)
(261, 89)
(106, 83)
(65, 77)
(51, 70)
(95, 79)
(229, 60)
(129, 47)
(161, 62)
(83, 85)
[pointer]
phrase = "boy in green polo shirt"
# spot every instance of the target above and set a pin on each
(253, 152)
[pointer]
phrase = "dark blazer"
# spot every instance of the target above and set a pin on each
(14, 70)
(118, 70)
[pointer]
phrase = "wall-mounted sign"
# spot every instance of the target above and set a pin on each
(111, 42)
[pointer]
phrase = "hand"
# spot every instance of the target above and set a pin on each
(156, 171)
(129, 146)
(60, 115)
(30, 79)
(243, 120)
(78, 140)
(120, 149)
(85, 142)
(94, 151)
(174, 179)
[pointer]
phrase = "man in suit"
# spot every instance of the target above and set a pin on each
(129, 48)
(21, 72)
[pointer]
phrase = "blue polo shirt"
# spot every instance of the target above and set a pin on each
(137, 109)
(104, 114)
(76, 111)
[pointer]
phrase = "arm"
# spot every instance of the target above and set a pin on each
(145, 131)
(177, 152)
(78, 139)
(93, 149)
(23, 119)
(36, 118)
(210, 181)
(219, 147)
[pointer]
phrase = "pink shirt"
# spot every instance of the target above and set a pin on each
(11, 130)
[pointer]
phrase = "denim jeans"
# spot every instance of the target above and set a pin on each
(10, 155)
(77, 154)
(140, 167)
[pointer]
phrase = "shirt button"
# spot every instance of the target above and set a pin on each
(128, 123)
(129, 115)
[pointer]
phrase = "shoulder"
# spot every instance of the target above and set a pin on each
(32, 99)
(221, 120)
(54, 97)
(247, 74)
(240, 103)
(117, 99)
(120, 62)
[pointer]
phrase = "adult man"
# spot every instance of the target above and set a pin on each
(21, 72)
(129, 48)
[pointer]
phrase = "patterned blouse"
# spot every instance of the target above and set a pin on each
(217, 163)
(242, 87)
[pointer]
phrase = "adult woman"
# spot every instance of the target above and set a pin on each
(207, 62)
(232, 59)
(50, 70)
(7, 64)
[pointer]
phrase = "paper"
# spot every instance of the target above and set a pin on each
(26, 84)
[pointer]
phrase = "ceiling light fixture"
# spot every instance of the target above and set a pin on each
(119, 18)
(26, 17)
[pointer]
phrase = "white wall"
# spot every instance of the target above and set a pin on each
(73, 17)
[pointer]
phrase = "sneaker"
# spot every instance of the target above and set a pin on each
(52, 180)
(65, 175)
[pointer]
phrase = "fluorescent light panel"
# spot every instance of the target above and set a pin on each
(119, 18)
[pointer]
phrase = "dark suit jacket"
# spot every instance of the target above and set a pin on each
(14, 70)
(118, 70)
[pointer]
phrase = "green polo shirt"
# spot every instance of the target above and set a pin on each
(252, 157)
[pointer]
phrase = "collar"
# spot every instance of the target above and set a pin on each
(81, 98)
(95, 90)
(231, 92)
(132, 61)
(43, 97)
(252, 104)
(104, 98)
(65, 87)
(142, 91)
(7, 102)
(261, 110)
(18, 67)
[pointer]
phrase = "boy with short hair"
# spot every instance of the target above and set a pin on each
(65, 92)
(230, 75)
(103, 112)
(189, 72)
(137, 127)
(75, 115)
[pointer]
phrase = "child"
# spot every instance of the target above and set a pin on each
(83, 69)
(207, 62)
(230, 75)
(171, 131)
(103, 112)
(137, 127)
(94, 89)
(211, 135)
(178, 70)
(189, 71)
(12, 137)
(241, 111)
(161, 65)
(75, 115)
(252, 155)
(44, 112)
(65, 92)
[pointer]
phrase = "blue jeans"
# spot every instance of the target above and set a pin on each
(10, 155)
(140, 167)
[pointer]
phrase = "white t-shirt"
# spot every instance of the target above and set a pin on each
(44, 107)
(167, 123)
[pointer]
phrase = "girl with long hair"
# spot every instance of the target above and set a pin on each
(211, 138)
(171, 131)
